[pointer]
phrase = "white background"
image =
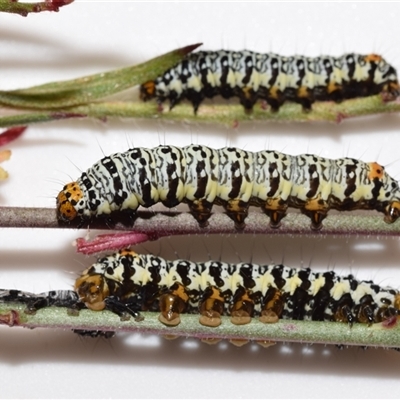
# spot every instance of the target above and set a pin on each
(89, 37)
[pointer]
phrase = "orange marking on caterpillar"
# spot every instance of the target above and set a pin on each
(303, 92)
(373, 58)
(148, 90)
(376, 171)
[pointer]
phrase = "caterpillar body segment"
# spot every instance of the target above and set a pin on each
(35, 302)
(273, 78)
(231, 177)
(242, 291)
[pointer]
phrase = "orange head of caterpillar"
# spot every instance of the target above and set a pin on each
(147, 90)
(92, 290)
(67, 199)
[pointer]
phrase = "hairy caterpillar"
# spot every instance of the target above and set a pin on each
(234, 178)
(273, 78)
(136, 282)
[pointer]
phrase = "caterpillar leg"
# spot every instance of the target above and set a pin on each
(392, 212)
(276, 211)
(174, 99)
(365, 310)
(195, 98)
(172, 304)
(242, 308)
(238, 211)
(317, 210)
(305, 98)
(201, 211)
(272, 307)
(122, 309)
(211, 307)
(321, 302)
(343, 310)
(275, 98)
(248, 98)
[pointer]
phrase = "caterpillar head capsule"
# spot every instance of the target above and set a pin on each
(67, 199)
(92, 290)
(147, 90)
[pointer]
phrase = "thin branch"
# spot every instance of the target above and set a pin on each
(227, 114)
(23, 9)
(386, 334)
(175, 223)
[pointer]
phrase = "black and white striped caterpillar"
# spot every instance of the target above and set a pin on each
(34, 302)
(234, 178)
(127, 283)
(273, 78)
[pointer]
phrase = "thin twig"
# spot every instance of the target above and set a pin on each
(227, 114)
(175, 223)
(381, 334)
(23, 9)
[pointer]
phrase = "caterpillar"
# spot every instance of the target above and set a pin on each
(243, 291)
(273, 78)
(34, 302)
(234, 178)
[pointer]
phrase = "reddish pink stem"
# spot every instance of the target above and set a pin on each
(112, 241)
(11, 134)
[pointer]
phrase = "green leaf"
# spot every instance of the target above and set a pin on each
(90, 88)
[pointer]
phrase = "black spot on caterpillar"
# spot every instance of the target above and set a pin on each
(273, 78)
(242, 291)
(234, 178)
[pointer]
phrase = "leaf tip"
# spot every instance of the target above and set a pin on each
(11, 134)
(188, 49)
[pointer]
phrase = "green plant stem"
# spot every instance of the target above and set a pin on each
(227, 114)
(285, 330)
(23, 9)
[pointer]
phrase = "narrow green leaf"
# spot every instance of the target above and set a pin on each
(87, 89)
